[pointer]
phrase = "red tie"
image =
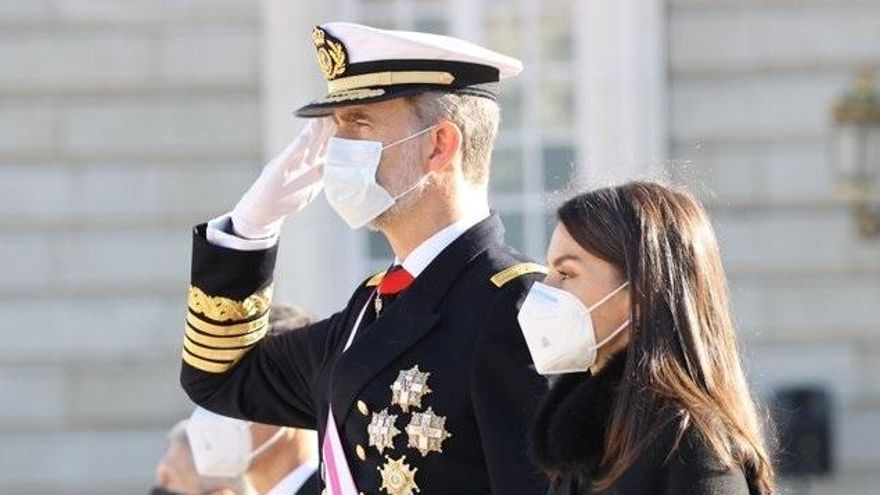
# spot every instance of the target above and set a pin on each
(395, 281)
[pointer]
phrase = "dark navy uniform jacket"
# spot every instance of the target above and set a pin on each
(433, 397)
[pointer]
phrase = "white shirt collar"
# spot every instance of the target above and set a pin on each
(295, 480)
(422, 256)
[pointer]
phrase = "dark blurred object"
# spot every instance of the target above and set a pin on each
(803, 421)
(857, 152)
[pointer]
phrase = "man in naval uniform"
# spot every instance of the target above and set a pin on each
(423, 382)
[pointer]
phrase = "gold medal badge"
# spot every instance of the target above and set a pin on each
(398, 478)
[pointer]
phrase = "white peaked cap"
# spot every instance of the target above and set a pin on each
(363, 65)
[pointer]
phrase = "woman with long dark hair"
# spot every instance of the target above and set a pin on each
(633, 327)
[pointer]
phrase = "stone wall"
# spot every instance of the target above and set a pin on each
(122, 123)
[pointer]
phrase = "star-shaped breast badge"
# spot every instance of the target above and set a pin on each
(427, 431)
(382, 431)
(409, 388)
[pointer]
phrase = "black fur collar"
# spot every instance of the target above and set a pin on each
(568, 433)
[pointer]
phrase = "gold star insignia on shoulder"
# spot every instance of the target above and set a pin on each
(398, 478)
(427, 431)
(409, 388)
(382, 431)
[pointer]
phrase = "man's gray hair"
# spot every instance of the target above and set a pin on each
(286, 317)
(477, 118)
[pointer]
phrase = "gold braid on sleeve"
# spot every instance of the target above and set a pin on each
(224, 309)
(220, 331)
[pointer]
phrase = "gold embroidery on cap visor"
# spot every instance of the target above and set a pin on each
(351, 95)
(332, 56)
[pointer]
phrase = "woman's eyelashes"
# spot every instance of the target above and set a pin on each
(557, 274)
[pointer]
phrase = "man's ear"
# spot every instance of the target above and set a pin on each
(446, 144)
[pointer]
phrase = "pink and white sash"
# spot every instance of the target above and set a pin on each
(339, 480)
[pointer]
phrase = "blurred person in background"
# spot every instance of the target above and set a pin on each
(273, 460)
(633, 324)
(176, 471)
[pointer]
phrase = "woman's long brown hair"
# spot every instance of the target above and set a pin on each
(683, 363)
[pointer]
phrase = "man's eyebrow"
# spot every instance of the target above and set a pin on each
(354, 115)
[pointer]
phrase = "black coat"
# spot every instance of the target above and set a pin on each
(312, 486)
(568, 439)
(455, 327)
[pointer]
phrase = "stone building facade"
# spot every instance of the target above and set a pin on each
(124, 122)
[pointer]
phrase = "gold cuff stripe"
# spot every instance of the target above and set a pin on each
(236, 330)
(224, 309)
(226, 342)
(504, 276)
(203, 364)
(213, 354)
(390, 78)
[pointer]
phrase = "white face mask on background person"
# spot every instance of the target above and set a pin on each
(559, 331)
(350, 179)
(221, 446)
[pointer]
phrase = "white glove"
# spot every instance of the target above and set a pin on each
(287, 184)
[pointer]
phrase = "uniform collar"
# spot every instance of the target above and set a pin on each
(426, 252)
(294, 480)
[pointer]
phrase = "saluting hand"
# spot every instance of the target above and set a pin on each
(287, 184)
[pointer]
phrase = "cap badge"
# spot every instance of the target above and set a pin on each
(332, 56)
